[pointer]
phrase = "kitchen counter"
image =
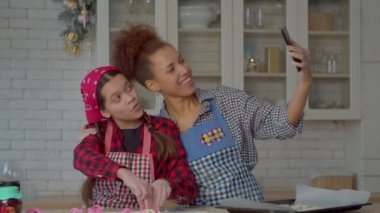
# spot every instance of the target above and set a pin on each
(64, 204)
(375, 208)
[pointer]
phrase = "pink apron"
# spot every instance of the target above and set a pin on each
(114, 194)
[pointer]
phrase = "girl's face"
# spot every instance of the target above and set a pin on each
(171, 74)
(121, 101)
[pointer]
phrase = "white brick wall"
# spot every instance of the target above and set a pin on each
(320, 149)
(41, 112)
(40, 109)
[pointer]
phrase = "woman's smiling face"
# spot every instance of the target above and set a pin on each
(172, 76)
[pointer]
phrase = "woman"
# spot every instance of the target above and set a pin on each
(218, 126)
(135, 159)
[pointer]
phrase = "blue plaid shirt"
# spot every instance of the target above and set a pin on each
(247, 117)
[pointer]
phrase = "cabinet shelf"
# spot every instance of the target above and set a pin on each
(209, 74)
(265, 75)
(332, 76)
(262, 31)
(329, 33)
(211, 31)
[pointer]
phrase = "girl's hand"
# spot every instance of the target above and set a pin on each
(85, 133)
(139, 187)
(161, 191)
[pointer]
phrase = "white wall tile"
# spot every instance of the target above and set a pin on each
(71, 95)
(29, 64)
(11, 134)
(4, 124)
(29, 43)
(60, 164)
(5, 104)
(64, 124)
(74, 115)
(43, 14)
(70, 185)
(41, 94)
(41, 155)
(12, 74)
(12, 13)
(5, 63)
(11, 155)
(62, 145)
(27, 124)
(4, 23)
(44, 175)
(284, 153)
(5, 144)
(65, 105)
(12, 114)
(28, 104)
(27, 4)
(44, 114)
(67, 155)
(12, 53)
(4, 4)
(43, 134)
(317, 154)
(5, 43)
(72, 175)
(28, 145)
(48, 74)
(13, 33)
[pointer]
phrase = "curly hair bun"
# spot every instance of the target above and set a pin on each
(131, 44)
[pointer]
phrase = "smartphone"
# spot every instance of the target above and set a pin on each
(288, 41)
(286, 36)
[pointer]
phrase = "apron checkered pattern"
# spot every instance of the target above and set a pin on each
(217, 165)
(222, 175)
(114, 194)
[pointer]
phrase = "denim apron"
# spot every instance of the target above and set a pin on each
(216, 162)
(114, 194)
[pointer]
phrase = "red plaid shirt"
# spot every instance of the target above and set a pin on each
(90, 159)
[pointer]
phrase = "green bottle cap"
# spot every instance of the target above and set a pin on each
(7, 192)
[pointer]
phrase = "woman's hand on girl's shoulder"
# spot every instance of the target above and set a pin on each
(86, 132)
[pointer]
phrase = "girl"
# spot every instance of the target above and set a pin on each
(135, 159)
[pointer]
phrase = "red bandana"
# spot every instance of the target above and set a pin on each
(88, 91)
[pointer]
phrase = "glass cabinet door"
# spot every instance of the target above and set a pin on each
(329, 43)
(264, 49)
(123, 13)
(199, 39)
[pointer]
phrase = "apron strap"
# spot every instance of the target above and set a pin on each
(146, 150)
(108, 137)
(147, 140)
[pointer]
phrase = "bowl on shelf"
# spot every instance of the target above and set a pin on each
(194, 16)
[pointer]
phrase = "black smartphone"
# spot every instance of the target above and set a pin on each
(286, 36)
(288, 41)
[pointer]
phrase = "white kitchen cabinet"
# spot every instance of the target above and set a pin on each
(219, 52)
(328, 28)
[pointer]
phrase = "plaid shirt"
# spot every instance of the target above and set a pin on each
(247, 117)
(89, 158)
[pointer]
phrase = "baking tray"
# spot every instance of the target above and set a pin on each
(324, 210)
(290, 202)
